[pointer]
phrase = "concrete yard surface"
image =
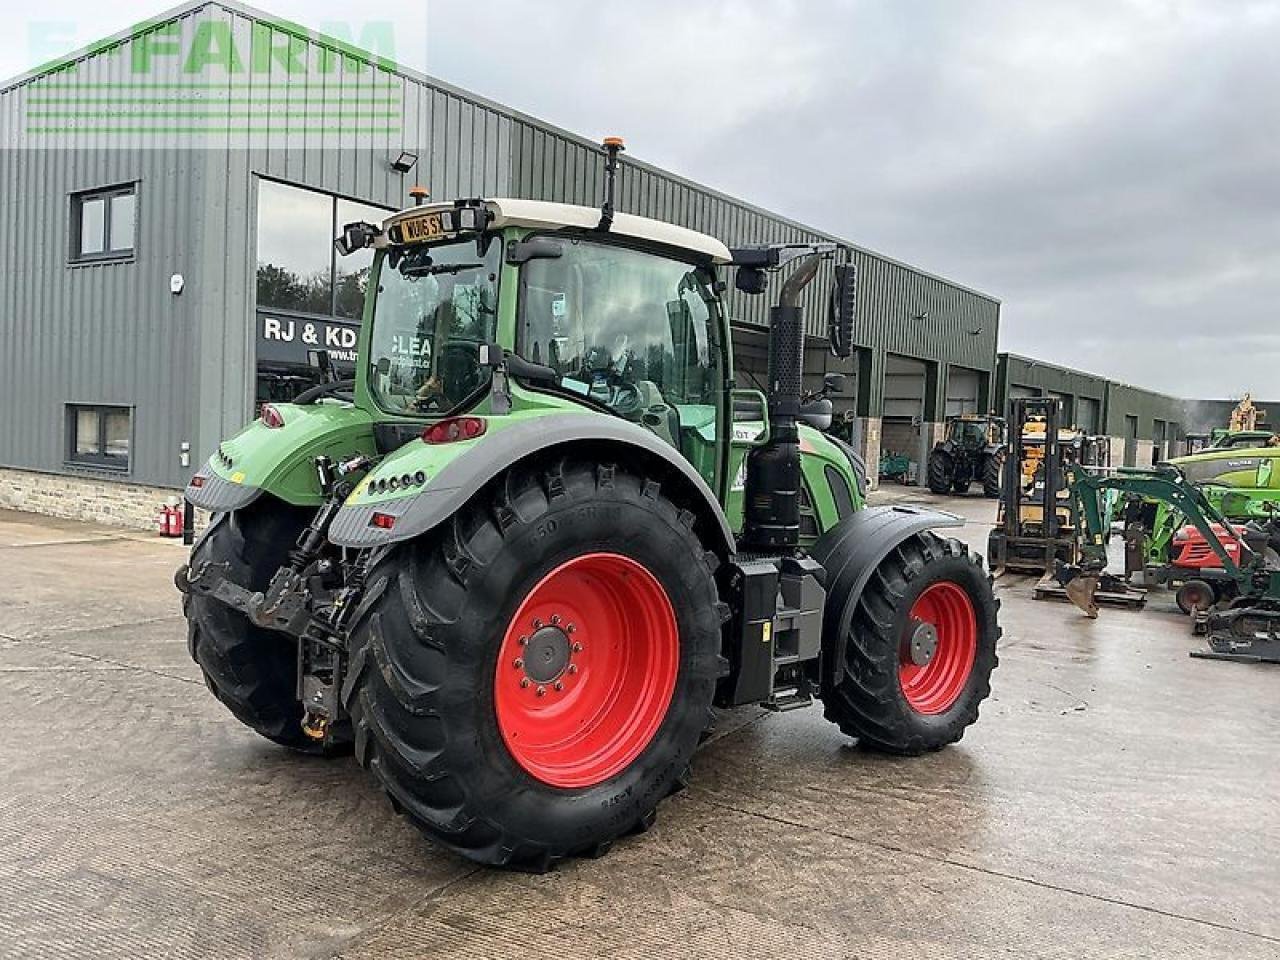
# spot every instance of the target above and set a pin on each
(1116, 799)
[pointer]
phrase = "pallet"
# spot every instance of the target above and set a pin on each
(1113, 592)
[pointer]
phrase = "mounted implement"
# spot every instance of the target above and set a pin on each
(519, 559)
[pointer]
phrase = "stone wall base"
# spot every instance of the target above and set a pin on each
(116, 503)
(868, 445)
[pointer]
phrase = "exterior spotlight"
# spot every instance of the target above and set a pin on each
(405, 162)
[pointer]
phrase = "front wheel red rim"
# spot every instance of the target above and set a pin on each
(586, 671)
(939, 648)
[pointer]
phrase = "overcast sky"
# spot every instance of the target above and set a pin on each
(1110, 169)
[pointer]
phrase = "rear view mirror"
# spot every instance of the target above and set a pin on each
(833, 382)
(356, 236)
(844, 307)
(535, 248)
(751, 281)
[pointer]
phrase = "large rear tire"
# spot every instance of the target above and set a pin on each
(252, 671)
(920, 650)
(941, 472)
(992, 474)
(531, 679)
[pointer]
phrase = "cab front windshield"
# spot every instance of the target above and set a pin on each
(435, 306)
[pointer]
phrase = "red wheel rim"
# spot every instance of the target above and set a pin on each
(586, 670)
(939, 648)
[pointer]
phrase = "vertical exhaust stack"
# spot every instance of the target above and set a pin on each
(772, 495)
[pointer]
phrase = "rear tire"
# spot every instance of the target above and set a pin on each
(885, 698)
(992, 475)
(941, 472)
(436, 687)
(252, 671)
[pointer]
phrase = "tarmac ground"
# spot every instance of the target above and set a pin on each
(1116, 799)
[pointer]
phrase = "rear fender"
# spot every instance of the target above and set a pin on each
(850, 553)
(280, 460)
(454, 473)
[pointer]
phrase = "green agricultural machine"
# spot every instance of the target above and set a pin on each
(973, 448)
(1236, 607)
(516, 562)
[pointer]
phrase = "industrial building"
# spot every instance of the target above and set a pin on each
(160, 279)
(171, 195)
(1144, 426)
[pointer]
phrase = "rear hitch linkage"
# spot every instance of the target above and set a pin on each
(303, 599)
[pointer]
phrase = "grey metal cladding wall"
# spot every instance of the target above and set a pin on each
(107, 333)
(1125, 400)
(114, 333)
(550, 165)
(1024, 371)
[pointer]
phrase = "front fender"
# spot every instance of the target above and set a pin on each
(850, 552)
(452, 474)
(280, 460)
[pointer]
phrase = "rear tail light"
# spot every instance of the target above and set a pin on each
(271, 417)
(454, 429)
(383, 521)
(197, 481)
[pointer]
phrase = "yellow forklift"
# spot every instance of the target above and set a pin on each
(1038, 525)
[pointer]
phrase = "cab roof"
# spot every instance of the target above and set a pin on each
(543, 215)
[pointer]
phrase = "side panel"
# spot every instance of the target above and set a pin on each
(831, 476)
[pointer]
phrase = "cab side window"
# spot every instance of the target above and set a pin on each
(627, 328)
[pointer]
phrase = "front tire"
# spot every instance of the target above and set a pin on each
(530, 680)
(920, 650)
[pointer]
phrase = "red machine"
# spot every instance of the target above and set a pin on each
(1191, 551)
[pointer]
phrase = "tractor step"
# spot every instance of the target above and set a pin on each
(786, 700)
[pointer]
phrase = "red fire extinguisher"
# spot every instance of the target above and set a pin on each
(170, 521)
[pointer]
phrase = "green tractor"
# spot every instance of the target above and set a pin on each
(516, 562)
(973, 448)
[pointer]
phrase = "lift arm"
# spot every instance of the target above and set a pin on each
(1166, 484)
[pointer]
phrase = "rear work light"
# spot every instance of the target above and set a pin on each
(454, 429)
(271, 417)
(197, 481)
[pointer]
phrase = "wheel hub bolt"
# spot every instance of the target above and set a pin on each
(524, 683)
(524, 641)
(537, 624)
(559, 685)
(542, 691)
(577, 648)
(570, 628)
(573, 668)
(555, 620)
(519, 664)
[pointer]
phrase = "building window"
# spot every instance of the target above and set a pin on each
(99, 436)
(309, 298)
(103, 223)
(298, 268)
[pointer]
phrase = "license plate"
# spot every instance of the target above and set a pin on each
(427, 226)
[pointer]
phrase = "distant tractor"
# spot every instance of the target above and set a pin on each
(972, 450)
(515, 562)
